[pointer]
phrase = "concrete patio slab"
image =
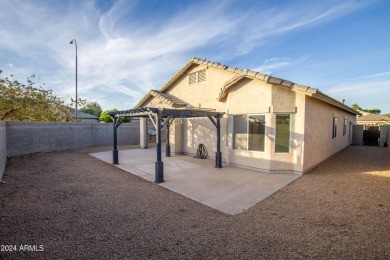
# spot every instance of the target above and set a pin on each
(231, 190)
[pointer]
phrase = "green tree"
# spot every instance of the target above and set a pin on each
(92, 108)
(356, 107)
(107, 119)
(372, 111)
(25, 102)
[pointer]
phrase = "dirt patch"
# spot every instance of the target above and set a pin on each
(76, 206)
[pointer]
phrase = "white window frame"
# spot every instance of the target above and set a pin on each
(247, 132)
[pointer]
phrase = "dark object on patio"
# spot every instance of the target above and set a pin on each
(201, 153)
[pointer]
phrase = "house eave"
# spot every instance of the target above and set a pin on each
(315, 93)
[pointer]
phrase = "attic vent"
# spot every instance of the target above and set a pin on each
(197, 77)
(192, 78)
(201, 75)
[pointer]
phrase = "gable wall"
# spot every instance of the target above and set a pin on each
(249, 96)
(204, 93)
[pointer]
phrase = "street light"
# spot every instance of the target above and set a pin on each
(75, 43)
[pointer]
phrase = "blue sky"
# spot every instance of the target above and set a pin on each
(126, 48)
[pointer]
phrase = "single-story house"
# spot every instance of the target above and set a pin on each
(373, 120)
(83, 117)
(269, 124)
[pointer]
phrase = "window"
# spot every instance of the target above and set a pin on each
(197, 77)
(282, 134)
(334, 128)
(249, 132)
(345, 127)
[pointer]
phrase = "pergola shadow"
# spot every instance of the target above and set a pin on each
(163, 117)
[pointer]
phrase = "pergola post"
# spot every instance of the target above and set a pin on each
(159, 165)
(143, 132)
(115, 151)
(168, 146)
(218, 154)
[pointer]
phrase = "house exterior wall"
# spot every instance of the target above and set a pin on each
(259, 97)
(310, 121)
(318, 141)
(273, 100)
(202, 131)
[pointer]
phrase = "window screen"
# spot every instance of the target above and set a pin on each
(282, 136)
(249, 132)
(334, 128)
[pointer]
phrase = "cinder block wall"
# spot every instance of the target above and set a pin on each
(30, 137)
(357, 135)
(3, 148)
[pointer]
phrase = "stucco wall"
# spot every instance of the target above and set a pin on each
(202, 94)
(357, 135)
(258, 97)
(3, 148)
(318, 142)
(384, 133)
(30, 137)
(202, 131)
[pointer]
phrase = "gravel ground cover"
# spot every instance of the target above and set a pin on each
(69, 205)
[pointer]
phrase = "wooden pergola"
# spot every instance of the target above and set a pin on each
(163, 117)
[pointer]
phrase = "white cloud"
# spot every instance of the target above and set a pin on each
(125, 57)
(275, 64)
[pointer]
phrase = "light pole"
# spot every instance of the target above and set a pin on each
(75, 43)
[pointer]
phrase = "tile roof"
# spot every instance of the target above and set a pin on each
(168, 98)
(373, 117)
(82, 115)
(242, 73)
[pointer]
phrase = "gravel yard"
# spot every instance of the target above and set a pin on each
(70, 205)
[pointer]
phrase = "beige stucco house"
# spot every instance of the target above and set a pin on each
(270, 124)
(369, 120)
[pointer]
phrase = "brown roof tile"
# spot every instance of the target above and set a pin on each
(373, 117)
